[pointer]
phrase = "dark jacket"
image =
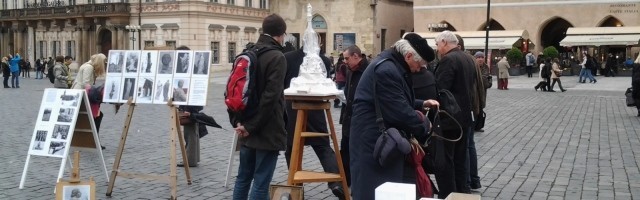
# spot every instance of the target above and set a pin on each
(635, 82)
(266, 128)
(316, 121)
(455, 73)
(6, 71)
(395, 95)
(352, 80)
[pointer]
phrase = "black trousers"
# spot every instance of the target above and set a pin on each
(5, 82)
(529, 71)
(325, 154)
(452, 173)
(554, 83)
(344, 152)
(98, 121)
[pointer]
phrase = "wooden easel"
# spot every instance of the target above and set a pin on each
(297, 176)
(175, 132)
(75, 179)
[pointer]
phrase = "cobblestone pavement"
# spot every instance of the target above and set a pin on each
(580, 144)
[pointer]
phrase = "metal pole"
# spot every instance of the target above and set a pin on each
(486, 39)
(140, 24)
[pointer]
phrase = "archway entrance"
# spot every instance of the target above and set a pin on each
(611, 21)
(320, 26)
(493, 25)
(105, 41)
(553, 32)
(616, 52)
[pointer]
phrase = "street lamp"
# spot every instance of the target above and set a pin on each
(133, 29)
(437, 27)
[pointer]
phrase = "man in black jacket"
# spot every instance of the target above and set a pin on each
(356, 64)
(316, 122)
(263, 135)
(456, 73)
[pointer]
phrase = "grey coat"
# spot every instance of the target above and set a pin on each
(61, 74)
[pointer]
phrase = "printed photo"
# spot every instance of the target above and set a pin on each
(46, 114)
(132, 61)
(112, 89)
(183, 62)
(51, 95)
(76, 192)
(285, 192)
(145, 90)
(148, 63)
(162, 90)
(180, 90)
(128, 88)
(57, 148)
(166, 62)
(70, 98)
(66, 115)
(38, 143)
(60, 132)
(116, 61)
(201, 64)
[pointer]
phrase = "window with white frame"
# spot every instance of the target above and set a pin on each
(4, 5)
(214, 1)
(263, 4)
(232, 52)
(215, 49)
(248, 3)
(231, 2)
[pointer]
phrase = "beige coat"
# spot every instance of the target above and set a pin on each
(503, 69)
(555, 68)
(85, 75)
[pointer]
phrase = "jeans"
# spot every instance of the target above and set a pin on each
(586, 73)
(473, 179)
(255, 165)
(15, 79)
(38, 74)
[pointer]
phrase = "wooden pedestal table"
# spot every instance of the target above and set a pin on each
(297, 176)
(175, 132)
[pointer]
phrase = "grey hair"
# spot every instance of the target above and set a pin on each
(638, 59)
(404, 48)
(448, 37)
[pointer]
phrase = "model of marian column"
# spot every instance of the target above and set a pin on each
(312, 79)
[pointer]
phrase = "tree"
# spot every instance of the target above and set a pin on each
(514, 56)
(551, 52)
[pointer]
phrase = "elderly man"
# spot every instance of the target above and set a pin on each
(398, 107)
(455, 73)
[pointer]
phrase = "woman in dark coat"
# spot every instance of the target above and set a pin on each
(635, 83)
(6, 72)
(398, 106)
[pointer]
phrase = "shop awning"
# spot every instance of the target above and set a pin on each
(602, 36)
(476, 39)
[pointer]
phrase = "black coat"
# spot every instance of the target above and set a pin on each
(352, 80)
(456, 73)
(397, 104)
(635, 81)
(316, 121)
(6, 71)
(266, 128)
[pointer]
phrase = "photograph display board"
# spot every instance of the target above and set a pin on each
(155, 77)
(56, 120)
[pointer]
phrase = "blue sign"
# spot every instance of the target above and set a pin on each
(318, 22)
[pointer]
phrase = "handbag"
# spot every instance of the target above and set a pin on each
(480, 120)
(185, 119)
(629, 94)
(392, 143)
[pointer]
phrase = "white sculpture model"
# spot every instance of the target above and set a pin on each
(312, 79)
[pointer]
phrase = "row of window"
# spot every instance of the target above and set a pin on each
(215, 49)
(56, 49)
(51, 3)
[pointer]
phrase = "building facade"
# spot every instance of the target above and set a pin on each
(373, 25)
(82, 28)
(545, 21)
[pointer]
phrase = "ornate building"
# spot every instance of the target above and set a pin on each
(80, 29)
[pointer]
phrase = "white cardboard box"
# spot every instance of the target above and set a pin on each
(457, 196)
(396, 191)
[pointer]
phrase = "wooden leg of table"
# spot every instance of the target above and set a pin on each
(295, 157)
(173, 177)
(123, 139)
(185, 160)
(334, 139)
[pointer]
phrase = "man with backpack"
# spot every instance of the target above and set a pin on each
(261, 125)
(531, 61)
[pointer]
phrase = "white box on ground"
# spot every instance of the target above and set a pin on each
(461, 196)
(396, 191)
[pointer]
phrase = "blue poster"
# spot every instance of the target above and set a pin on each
(341, 41)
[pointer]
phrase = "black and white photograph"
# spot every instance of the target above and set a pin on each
(162, 90)
(180, 90)
(57, 148)
(116, 62)
(145, 90)
(148, 63)
(60, 132)
(46, 114)
(112, 89)
(132, 61)
(76, 192)
(201, 62)
(166, 60)
(66, 115)
(183, 63)
(70, 98)
(128, 88)
(38, 142)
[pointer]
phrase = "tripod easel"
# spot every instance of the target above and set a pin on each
(172, 178)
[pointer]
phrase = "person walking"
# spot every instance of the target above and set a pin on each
(503, 74)
(587, 65)
(263, 135)
(635, 83)
(14, 64)
(555, 75)
(61, 74)
(6, 71)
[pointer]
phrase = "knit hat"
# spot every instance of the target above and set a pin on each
(479, 54)
(421, 46)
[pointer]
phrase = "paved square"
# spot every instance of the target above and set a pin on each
(580, 144)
